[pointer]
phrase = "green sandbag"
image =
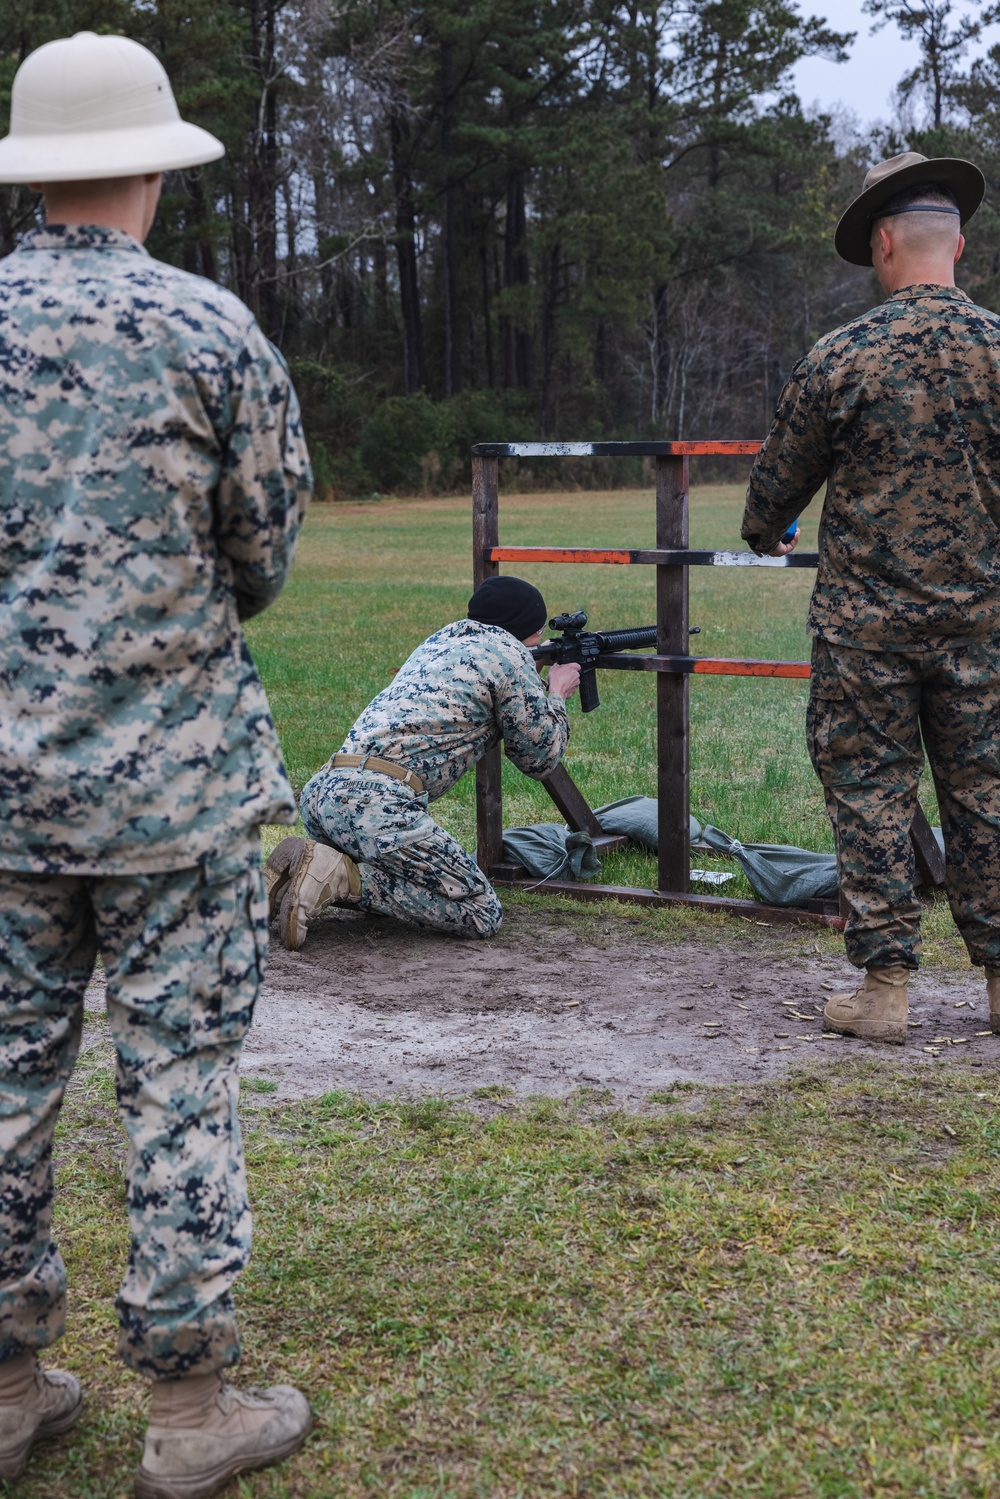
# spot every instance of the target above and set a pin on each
(780, 874)
(549, 851)
(635, 817)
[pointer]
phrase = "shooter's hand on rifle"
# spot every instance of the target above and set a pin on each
(788, 542)
(564, 678)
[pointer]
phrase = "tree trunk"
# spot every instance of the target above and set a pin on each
(491, 378)
(414, 369)
(262, 179)
(518, 345)
(452, 310)
(549, 338)
(324, 220)
(291, 232)
(206, 250)
(661, 352)
(381, 269)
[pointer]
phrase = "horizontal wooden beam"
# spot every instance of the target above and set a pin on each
(637, 556)
(751, 910)
(710, 666)
(724, 448)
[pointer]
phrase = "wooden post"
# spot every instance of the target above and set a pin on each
(486, 534)
(672, 688)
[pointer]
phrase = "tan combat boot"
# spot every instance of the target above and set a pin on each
(202, 1432)
(319, 876)
(876, 1010)
(277, 873)
(993, 994)
(35, 1403)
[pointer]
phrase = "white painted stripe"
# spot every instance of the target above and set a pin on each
(746, 559)
(551, 449)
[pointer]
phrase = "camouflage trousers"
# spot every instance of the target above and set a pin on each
(410, 867)
(868, 713)
(184, 962)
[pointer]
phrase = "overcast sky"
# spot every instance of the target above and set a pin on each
(876, 64)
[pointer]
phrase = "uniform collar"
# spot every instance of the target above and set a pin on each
(80, 237)
(920, 290)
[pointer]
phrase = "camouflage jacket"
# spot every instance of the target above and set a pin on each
(457, 696)
(153, 485)
(899, 412)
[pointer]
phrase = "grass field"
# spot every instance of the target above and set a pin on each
(786, 1292)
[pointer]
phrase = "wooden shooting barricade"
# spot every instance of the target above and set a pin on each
(672, 664)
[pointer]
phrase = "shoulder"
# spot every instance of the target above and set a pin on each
(973, 315)
(850, 336)
(926, 310)
(194, 302)
(488, 647)
(112, 279)
(491, 640)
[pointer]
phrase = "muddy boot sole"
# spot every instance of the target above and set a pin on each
(278, 872)
(294, 924)
(868, 1030)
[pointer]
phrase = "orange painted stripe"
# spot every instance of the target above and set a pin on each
(724, 447)
(559, 554)
(719, 668)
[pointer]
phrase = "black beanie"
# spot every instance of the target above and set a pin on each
(511, 603)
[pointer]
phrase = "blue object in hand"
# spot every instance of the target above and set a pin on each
(789, 535)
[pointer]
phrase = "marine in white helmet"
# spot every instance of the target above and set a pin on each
(154, 481)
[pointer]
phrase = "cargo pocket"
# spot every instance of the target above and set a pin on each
(418, 829)
(824, 715)
(243, 956)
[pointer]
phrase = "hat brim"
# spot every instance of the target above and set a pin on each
(962, 178)
(90, 155)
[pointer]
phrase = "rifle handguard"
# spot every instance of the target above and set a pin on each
(584, 646)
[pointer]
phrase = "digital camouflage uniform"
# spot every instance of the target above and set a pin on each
(152, 492)
(899, 412)
(464, 690)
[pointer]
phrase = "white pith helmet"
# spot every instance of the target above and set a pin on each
(89, 106)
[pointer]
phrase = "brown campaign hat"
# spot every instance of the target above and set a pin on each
(964, 181)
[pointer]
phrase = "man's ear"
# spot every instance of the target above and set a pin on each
(960, 247)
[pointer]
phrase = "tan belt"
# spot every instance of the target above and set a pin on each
(381, 767)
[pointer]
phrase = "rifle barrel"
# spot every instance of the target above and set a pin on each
(626, 640)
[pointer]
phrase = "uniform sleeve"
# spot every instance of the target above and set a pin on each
(535, 727)
(266, 482)
(793, 463)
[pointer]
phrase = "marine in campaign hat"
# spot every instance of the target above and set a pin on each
(895, 417)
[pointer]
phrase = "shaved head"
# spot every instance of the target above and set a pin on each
(917, 237)
(920, 222)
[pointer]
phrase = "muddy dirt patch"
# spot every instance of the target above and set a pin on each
(558, 1002)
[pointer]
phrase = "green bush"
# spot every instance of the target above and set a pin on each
(414, 443)
(336, 403)
(400, 437)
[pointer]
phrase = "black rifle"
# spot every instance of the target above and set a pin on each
(583, 645)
